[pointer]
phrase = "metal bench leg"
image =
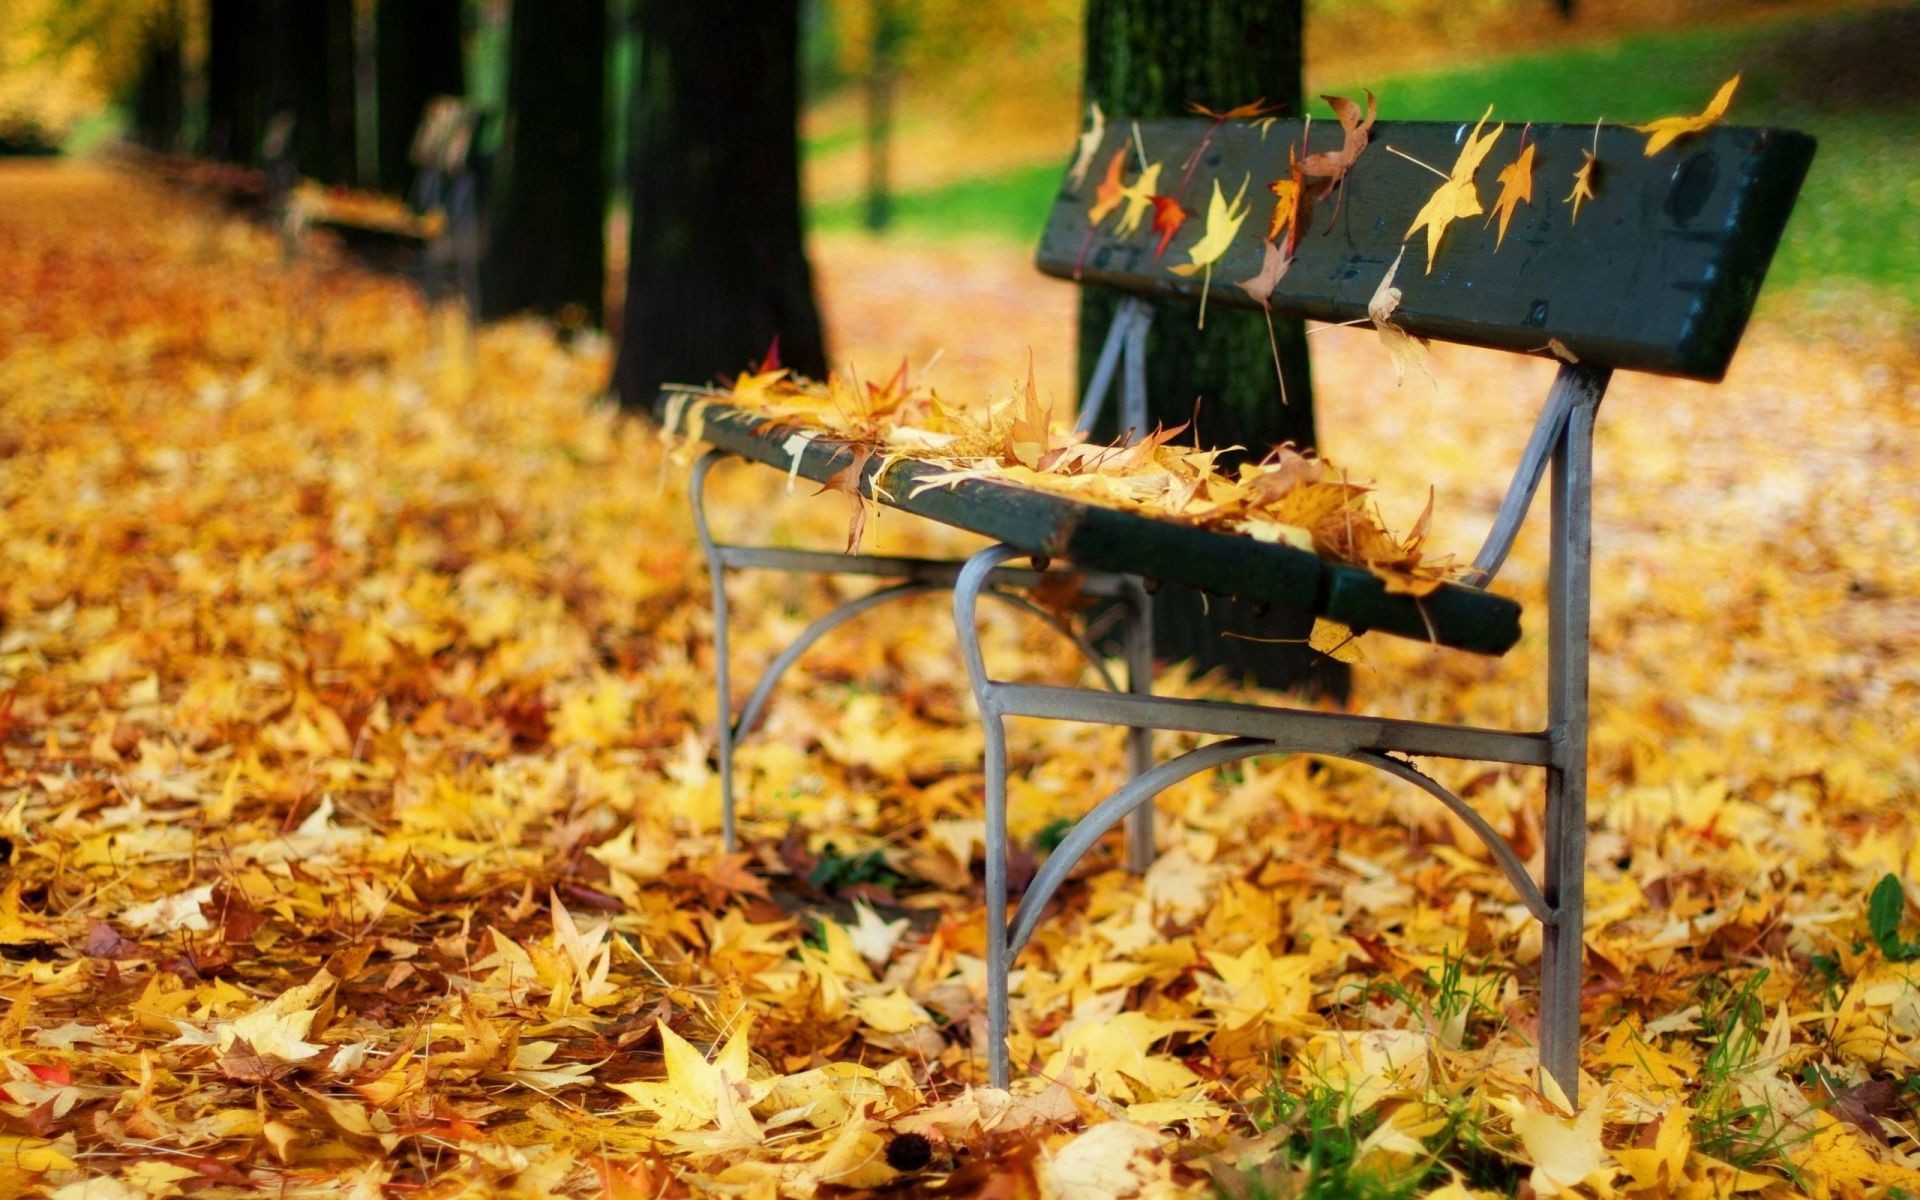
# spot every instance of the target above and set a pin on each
(1139, 631)
(973, 580)
(1569, 603)
(723, 702)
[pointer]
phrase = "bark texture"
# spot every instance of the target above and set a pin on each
(1151, 58)
(718, 268)
(417, 52)
(546, 241)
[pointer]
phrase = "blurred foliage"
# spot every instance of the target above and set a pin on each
(62, 61)
(972, 47)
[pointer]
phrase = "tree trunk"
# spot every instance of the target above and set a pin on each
(418, 52)
(718, 268)
(159, 95)
(883, 68)
(1151, 58)
(236, 43)
(311, 76)
(546, 248)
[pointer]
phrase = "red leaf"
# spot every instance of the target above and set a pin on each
(1168, 217)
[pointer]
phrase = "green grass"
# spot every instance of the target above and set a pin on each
(1839, 77)
(1012, 205)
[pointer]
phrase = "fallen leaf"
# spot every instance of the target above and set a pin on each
(1565, 1151)
(1333, 165)
(1139, 198)
(1582, 185)
(1240, 112)
(1516, 188)
(1663, 131)
(1108, 194)
(1457, 197)
(1403, 348)
(847, 482)
(1168, 217)
(1273, 268)
(1224, 219)
(1088, 143)
(1108, 1161)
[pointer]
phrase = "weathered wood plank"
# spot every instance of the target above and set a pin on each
(1659, 273)
(1099, 538)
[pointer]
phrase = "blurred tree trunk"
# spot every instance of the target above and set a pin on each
(546, 245)
(417, 49)
(236, 47)
(1150, 58)
(718, 268)
(159, 95)
(310, 75)
(883, 70)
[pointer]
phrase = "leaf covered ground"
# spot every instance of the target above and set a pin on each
(360, 834)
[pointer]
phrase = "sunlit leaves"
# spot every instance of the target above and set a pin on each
(1516, 188)
(1457, 197)
(1583, 182)
(1664, 131)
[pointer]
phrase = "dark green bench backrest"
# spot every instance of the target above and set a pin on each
(1658, 274)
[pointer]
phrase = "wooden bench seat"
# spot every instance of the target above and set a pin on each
(1057, 527)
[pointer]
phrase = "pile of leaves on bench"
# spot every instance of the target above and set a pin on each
(1287, 497)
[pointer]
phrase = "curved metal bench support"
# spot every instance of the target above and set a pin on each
(1563, 441)
(732, 730)
(1142, 790)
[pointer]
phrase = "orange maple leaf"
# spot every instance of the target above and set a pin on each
(1290, 209)
(1109, 192)
(1258, 108)
(1666, 129)
(1168, 217)
(1516, 188)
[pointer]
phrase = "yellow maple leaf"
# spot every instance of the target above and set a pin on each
(1582, 185)
(1224, 219)
(1666, 129)
(1663, 1164)
(698, 1094)
(1139, 198)
(1516, 188)
(1565, 1151)
(1457, 197)
(278, 1029)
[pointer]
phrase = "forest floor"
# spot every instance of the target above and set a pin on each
(359, 829)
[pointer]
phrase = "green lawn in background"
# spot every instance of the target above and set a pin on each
(1846, 78)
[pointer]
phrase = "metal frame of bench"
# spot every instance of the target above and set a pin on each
(1562, 440)
(1661, 277)
(1124, 351)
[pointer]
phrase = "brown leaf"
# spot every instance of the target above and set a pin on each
(847, 480)
(1273, 267)
(1333, 165)
(243, 1064)
(1863, 1104)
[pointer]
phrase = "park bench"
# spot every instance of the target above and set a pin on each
(1657, 272)
(433, 238)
